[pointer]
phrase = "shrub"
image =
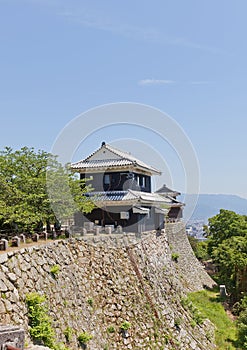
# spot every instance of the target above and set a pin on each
(192, 323)
(239, 306)
(60, 346)
(68, 332)
(177, 322)
(90, 301)
(175, 257)
(125, 326)
(84, 337)
(242, 329)
(166, 338)
(110, 329)
(40, 322)
(55, 270)
(199, 248)
(197, 316)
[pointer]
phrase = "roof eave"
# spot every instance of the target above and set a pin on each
(102, 169)
(102, 204)
(131, 167)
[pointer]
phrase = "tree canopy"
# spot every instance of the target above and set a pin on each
(36, 189)
(226, 225)
(227, 245)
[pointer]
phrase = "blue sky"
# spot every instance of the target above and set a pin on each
(186, 58)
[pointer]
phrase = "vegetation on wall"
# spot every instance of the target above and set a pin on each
(125, 325)
(54, 270)
(40, 322)
(84, 338)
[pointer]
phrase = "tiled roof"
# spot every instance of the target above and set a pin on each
(124, 159)
(151, 197)
(129, 195)
(174, 201)
(165, 189)
(112, 196)
(101, 163)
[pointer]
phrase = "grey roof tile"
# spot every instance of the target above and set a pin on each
(129, 195)
(112, 196)
(101, 163)
(125, 159)
(165, 189)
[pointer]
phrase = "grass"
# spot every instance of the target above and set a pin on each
(209, 303)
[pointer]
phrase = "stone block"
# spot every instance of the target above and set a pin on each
(12, 336)
(3, 258)
(96, 231)
(84, 231)
(223, 292)
(119, 229)
(89, 226)
(35, 237)
(16, 241)
(3, 244)
(23, 238)
(108, 229)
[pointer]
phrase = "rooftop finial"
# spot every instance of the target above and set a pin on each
(103, 144)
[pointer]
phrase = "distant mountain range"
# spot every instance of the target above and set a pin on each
(209, 205)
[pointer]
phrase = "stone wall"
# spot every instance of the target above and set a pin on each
(103, 281)
(193, 272)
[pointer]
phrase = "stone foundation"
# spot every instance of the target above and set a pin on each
(103, 281)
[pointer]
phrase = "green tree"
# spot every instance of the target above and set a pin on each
(242, 329)
(227, 245)
(65, 191)
(231, 258)
(225, 225)
(199, 248)
(23, 197)
(25, 200)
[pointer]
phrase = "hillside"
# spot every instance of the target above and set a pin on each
(209, 205)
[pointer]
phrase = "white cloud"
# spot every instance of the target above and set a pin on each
(155, 82)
